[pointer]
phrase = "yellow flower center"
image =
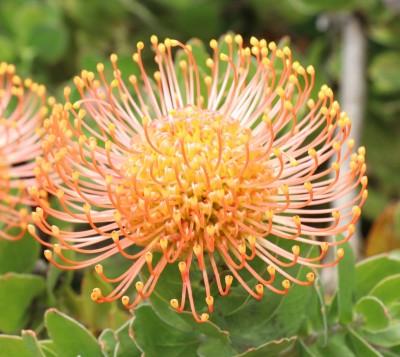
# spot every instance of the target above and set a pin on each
(194, 178)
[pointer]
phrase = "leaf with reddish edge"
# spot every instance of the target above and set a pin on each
(31, 343)
(272, 348)
(126, 345)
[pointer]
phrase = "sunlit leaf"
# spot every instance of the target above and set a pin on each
(13, 346)
(70, 338)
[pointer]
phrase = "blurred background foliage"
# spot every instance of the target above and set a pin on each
(52, 40)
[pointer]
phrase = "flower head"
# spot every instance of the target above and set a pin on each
(209, 164)
(21, 113)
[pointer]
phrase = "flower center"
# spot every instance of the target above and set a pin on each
(195, 178)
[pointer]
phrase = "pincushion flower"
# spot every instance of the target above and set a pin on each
(22, 111)
(211, 165)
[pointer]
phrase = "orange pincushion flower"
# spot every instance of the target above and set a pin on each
(204, 168)
(21, 114)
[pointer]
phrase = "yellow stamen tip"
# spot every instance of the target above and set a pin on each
(286, 284)
(139, 286)
(174, 303)
(228, 280)
(340, 253)
(271, 270)
(48, 254)
(209, 300)
(149, 257)
(260, 289)
(182, 266)
(204, 317)
(296, 250)
(125, 300)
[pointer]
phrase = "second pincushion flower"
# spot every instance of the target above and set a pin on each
(210, 165)
(22, 110)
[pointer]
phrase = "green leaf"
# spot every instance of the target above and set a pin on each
(360, 346)
(384, 72)
(272, 348)
(207, 328)
(346, 283)
(317, 315)
(335, 347)
(156, 338)
(48, 42)
(70, 338)
(272, 318)
(386, 33)
(375, 314)
(215, 347)
(304, 350)
(371, 271)
(13, 346)
(317, 6)
(48, 348)
(387, 290)
(108, 342)
(387, 338)
(32, 344)
(126, 346)
(163, 309)
(19, 292)
(19, 256)
(7, 49)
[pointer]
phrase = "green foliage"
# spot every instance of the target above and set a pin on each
(346, 275)
(19, 292)
(373, 329)
(69, 337)
(19, 256)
